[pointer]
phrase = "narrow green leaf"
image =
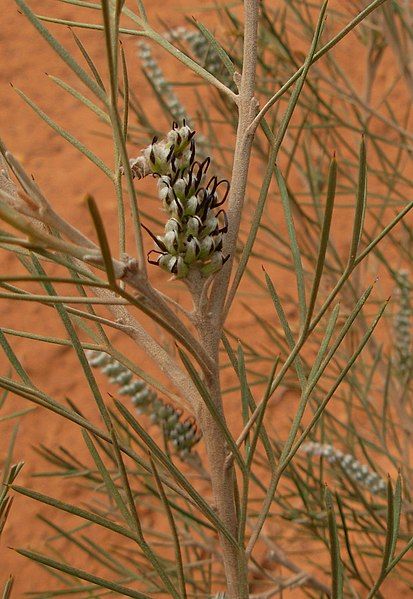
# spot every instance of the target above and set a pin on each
(41, 399)
(83, 99)
(216, 47)
(337, 382)
(78, 573)
(330, 328)
(13, 359)
(360, 208)
(103, 240)
(325, 235)
(295, 250)
(76, 511)
(174, 531)
(128, 517)
(336, 563)
(108, 560)
(298, 363)
(245, 392)
(393, 522)
(8, 587)
(112, 490)
(9, 454)
(89, 60)
(125, 93)
(77, 346)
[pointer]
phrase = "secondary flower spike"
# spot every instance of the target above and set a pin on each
(193, 235)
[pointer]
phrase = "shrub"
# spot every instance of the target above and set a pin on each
(231, 434)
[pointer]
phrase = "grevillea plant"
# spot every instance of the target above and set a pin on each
(245, 392)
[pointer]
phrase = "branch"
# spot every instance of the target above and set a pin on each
(248, 107)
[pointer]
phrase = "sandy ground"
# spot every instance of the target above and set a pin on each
(66, 177)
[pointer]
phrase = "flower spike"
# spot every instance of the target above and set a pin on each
(193, 238)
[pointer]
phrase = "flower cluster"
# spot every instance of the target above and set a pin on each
(181, 433)
(402, 325)
(193, 236)
(358, 472)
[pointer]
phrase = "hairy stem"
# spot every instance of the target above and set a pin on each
(248, 108)
(209, 318)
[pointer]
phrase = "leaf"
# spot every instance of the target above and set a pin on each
(89, 60)
(217, 48)
(130, 521)
(83, 99)
(295, 250)
(393, 522)
(360, 209)
(14, 361)
(336, 563)
(82, 574)
(8, 587)
(103, 241)
(174, 531)
(325, 235)
(112, 490)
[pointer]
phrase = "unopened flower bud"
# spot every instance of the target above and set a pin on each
(206, 247)
(214, 265)
(192, 250)
(193, 225)
(170, 239)
(181, 268)
(167, 262)
(191, 205)
(157, 155)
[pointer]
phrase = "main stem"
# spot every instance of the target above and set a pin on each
(210, 319)
(222, 477)
(247, 110)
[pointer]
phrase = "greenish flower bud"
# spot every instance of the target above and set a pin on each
(211, 224)
(113, 369)
(97, 359)
(191, 206)
(157, 156)
(172, 225)
(167, 262)
(141, 397)
(192, 249)
(193, 225)
(206, 247)
(179, 188)
(170, 239)
(181, 268)
(214, 265)
(123, 378)
(132, 388)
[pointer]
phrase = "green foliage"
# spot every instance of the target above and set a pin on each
(320, 376)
